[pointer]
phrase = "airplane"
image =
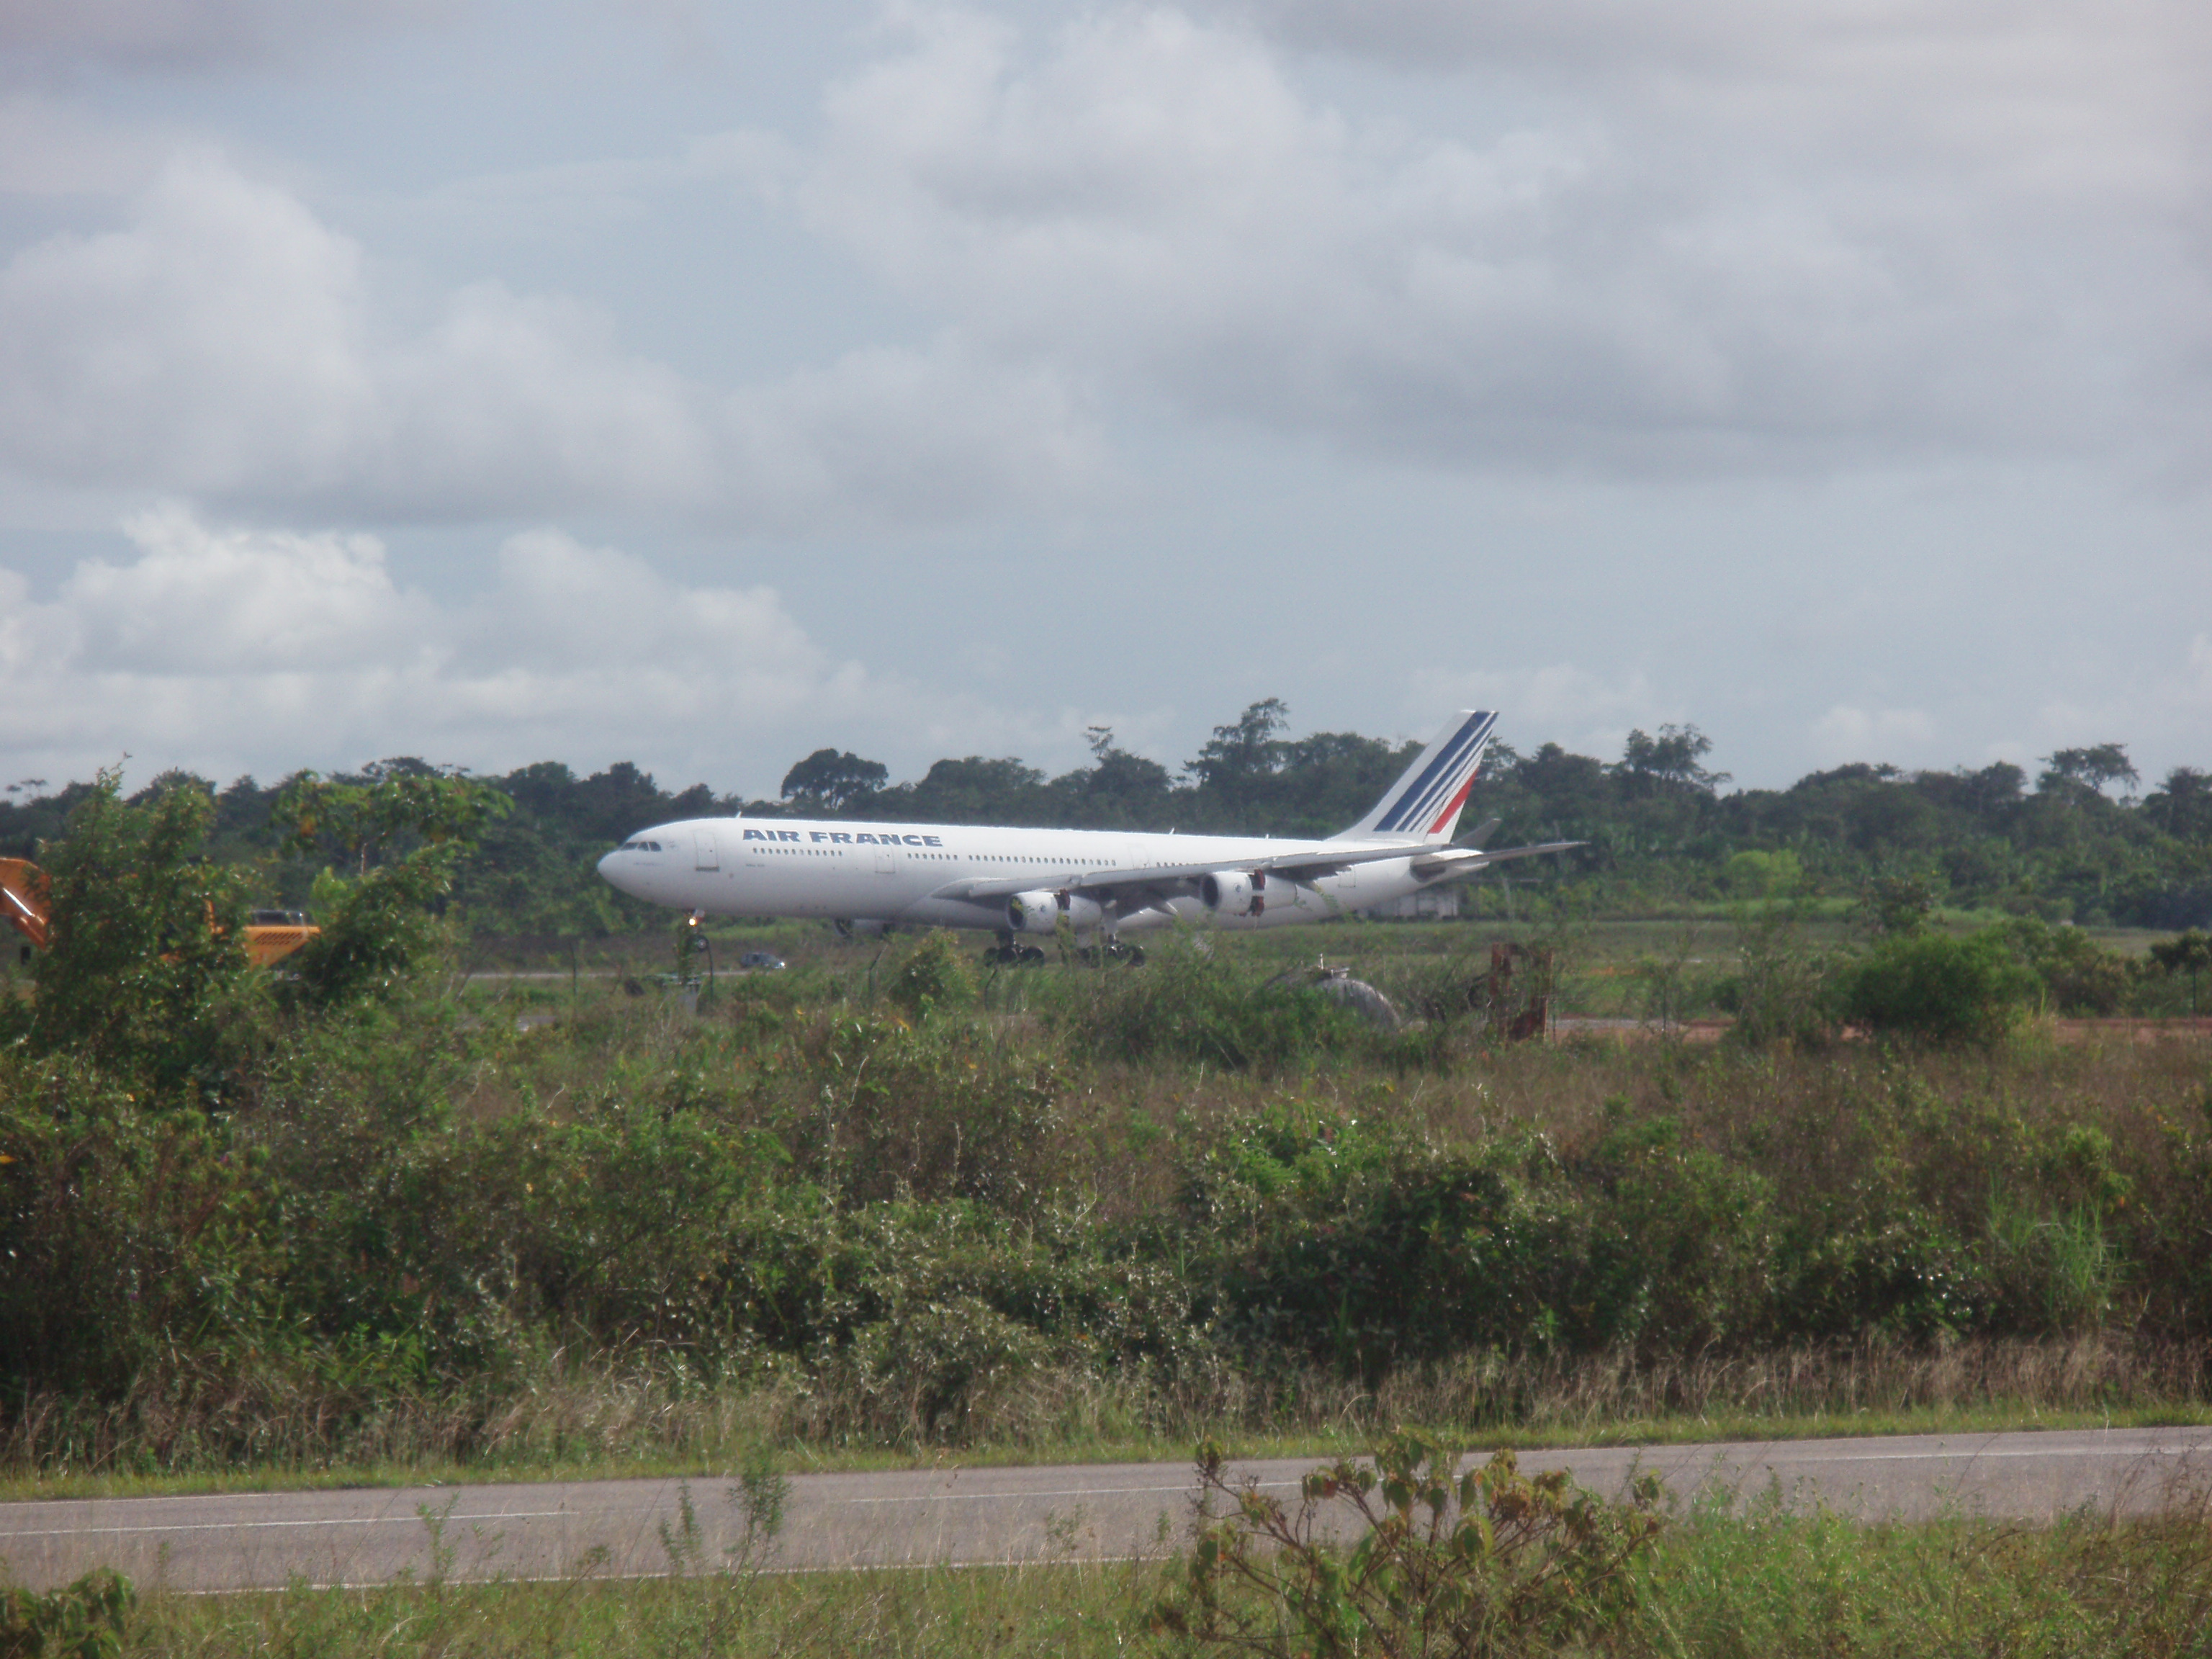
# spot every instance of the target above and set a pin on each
(1022, 883)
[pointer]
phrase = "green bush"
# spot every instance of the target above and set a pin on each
(88, 1619)
(935, 975)
(127, 1225)
(1937, 988)
(1782, 990)
(1367, 1250)
(937, 1110)
(2077, 974)
(1196, 1006)
(1681, 1250)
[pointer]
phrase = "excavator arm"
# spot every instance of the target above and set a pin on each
(23, 899)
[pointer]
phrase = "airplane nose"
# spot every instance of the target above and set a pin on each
(607, 870)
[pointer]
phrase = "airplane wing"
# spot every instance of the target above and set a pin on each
(1439, 857)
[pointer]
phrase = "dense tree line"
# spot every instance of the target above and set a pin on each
(2081, 841)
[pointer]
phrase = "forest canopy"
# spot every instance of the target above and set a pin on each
(2082, 840)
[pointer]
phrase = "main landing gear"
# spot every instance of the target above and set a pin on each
(1009, 953)
(1114, 952)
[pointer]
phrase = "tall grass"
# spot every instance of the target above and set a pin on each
(1719, 1582)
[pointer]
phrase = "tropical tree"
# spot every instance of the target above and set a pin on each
(832, 780)
(404, 833)
(2088, 771)
(2189, 953)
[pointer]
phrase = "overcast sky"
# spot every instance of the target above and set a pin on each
(702, 384)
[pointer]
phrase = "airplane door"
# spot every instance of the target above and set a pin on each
(710, 853)
(886, 861)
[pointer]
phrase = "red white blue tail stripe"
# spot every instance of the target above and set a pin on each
(1427, 801)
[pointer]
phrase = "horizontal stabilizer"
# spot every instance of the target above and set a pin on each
(1466, 860)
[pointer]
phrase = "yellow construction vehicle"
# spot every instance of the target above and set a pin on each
(23, 899)
(270, 935)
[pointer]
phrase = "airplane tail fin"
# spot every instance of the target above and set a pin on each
(1424, 803)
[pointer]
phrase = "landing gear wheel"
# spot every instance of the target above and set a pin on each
(1113, 951)
(1029, 953)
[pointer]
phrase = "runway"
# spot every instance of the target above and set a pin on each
(955, 1515)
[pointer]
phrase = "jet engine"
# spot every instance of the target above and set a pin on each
(1040, 912)
(1235, 893)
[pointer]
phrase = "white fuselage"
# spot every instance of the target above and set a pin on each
(897, 872)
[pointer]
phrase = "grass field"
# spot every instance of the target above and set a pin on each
(1758, 1582)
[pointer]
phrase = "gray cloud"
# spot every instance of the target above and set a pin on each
(190, 34)
(1710, 268)
(226, 344)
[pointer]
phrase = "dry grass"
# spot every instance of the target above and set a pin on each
(174, 1433)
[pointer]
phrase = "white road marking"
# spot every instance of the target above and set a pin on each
(250, 1526)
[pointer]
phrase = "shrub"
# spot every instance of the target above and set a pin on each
(126, 1225)
(1755, 874)
(1782, 992)
(1941, 989)
(1192, 1005)
(1330, 1237)
(2189, 953)
(87, 1620)
(1487, 1562)
(936, 974)
(933, 1111)
(1681, 1251)
(2078, 975)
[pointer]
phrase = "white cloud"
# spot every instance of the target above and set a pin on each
(231, 649)
(228, 345)
(1638, 278)
(199, 601)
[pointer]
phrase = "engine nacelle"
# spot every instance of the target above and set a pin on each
(1234, 893)
(1040, 912)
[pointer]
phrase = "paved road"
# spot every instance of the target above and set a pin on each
(993, 1516)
